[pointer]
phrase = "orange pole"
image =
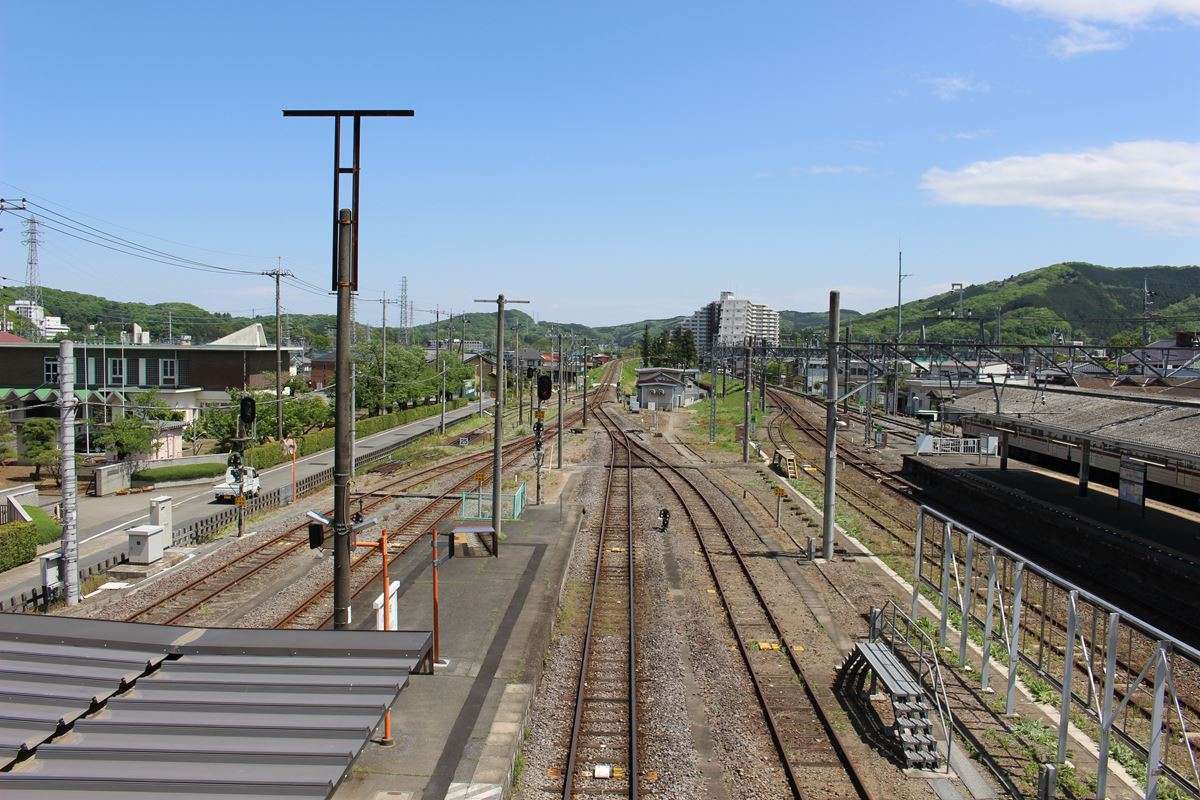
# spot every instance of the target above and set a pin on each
(436, 626)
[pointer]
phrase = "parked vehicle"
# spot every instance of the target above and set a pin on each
(238, 480)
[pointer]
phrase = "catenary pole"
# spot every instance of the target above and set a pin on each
(561, 389)
(831, 393)
(498, 411)
(747, 391)
(585, 381)
(66, 416)
(343, 419)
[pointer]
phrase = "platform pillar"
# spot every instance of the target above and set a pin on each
(1085, 465)
(1003, 450)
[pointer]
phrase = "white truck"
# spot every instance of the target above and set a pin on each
(243, 480)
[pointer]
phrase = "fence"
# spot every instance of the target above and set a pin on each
(1036, 622)
(12, 504)
(968, 446)
(478, 505)
(190, 533)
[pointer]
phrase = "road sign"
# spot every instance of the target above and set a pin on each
(1132, 487)
(540, 414)
(239, 501)
(482, 476)
(780, 491)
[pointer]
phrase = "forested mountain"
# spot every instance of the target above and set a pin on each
(1077, 300)
(1082, 302)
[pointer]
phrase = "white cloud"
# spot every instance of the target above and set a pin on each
(1094, 26)
(1117, 12)
(951, 87)
(967, 136)
(836, 169)
(1150, 184)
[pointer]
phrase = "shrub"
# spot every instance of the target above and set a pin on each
(18, 544)
(180, 472)
(268, 455)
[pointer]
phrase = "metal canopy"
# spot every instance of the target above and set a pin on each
(100, 709)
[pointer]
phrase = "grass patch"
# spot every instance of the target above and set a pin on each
(180, 472)
(46, 528)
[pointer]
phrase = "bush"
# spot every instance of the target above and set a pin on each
(268, 455)
(18, 544)
(180, 472)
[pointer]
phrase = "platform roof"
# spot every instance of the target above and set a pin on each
(1142, 426)
(99, 709)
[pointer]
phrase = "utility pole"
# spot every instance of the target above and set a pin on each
(585, 381)
(66, 416)
(343, 431)
(762, 384)
(712, 400)
(746, 393)
(278, 273)
(498, 410)
(383, 353)
(344, 280)
(1147, 302)
(561, 389)
(517, 374)
(846, 370)
(900, 276)
(831, 393)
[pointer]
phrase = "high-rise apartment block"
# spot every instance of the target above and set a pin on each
(730, 321)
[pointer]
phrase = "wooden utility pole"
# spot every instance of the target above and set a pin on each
(278, 273)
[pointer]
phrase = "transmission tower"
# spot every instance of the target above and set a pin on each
(33, 288)
(404, 320)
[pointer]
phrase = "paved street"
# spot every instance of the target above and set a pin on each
(103, 521)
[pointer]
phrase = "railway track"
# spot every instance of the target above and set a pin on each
(814, 758)
(215, 587)
(1045, 615)
(604, 726)
(316, 611)
(230, 584)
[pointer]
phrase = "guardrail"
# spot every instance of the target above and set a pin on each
(1021, 596)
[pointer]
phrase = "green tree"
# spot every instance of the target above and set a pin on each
(130, 435)
(6, 438)
(39, 442)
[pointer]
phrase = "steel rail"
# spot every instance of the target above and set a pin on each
(631, 676)
(775, 728)
(292, 539)
(519, 448)
(932, 558)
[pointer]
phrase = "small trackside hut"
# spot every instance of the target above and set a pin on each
(667, 388)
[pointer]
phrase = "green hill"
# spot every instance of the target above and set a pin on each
(1081, 301)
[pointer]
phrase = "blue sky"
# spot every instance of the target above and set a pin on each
(609, 161)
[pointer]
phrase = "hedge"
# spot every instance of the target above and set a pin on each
(180, 472)
(18, 544)
(268, 455)
(47, 528)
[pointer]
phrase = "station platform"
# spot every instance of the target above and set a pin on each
(1149, 559)
(457, 731)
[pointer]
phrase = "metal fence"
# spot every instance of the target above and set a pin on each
(1111, 674)
(197, 530)
(478, 505)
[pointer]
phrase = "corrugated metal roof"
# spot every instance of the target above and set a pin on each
(99, 709)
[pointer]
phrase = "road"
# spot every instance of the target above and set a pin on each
(107, 519)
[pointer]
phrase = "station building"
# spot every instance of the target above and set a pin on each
(109, 375)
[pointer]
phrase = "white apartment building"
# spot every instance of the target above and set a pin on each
(730, 321)
(47, 326)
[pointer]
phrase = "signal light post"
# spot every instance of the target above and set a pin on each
(344, 281)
